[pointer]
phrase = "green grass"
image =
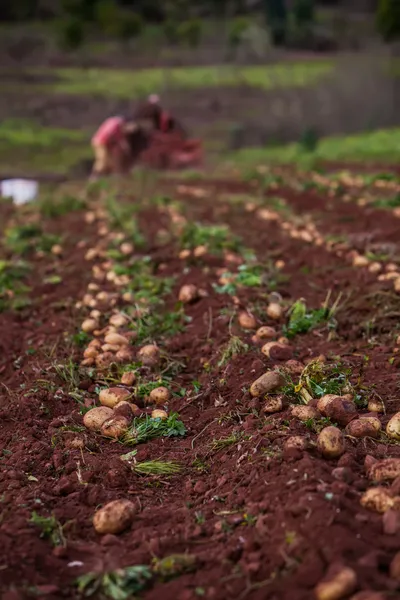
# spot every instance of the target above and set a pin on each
(381, 145)
(145, 428)
(134, 84)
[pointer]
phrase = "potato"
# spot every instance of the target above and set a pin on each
(269, 382)
(266, 333)
(128, 378)
(115, 339)
(157, 413)
(395, 567)
(273, 404)
(115, 427)
(95, 314)
(274, 311)
(90, 352)
(393, 427)
(87, 362)
(337, 586)
(95, 417)
(331, 442)
(341, 411)
(149, 355)
(89, 325)
(94, 344)
(125, 354)
(385, 470)
(376, 405)
(200, 251)
(294, 366)
(126, 248)
(114, 517)
(159, 395)
(188, 293)
(118, 320)
(246, 320)
(184, 254)
(277, 351)
(377, 499)
(295, 442)
(112, 396)
(364, 427)
(327, 399)
(304, 413)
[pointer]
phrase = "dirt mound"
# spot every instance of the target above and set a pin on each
(169, 150)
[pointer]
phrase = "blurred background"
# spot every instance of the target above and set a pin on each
(255, 79)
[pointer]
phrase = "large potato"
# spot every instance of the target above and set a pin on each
(324, 402)
(114, 517)
(304, 412)
(160, 395)
(246, 320)
(188, 293)
(337, 586)
(115, 427)
(364, 427)
(112, 396)
(149, 355)
(273, 404)
(266, 333)
(115, 339)
(393, 427)
(377, 499)
(341, 411)
(95, 417)
(269, 382)
(385, 470)
(331, 442)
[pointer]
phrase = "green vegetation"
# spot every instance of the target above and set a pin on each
(157, 467)
(121, 584)
(22, 239)
(302, 320)
(12, 290)
(50, 528)
(145, 428)
(216, 238)
(318, 379)
(232, 349)
(156, 325)
(174, 565)
(247, 276)
(58, 206)
(387, 203)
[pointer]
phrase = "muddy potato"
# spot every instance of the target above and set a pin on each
(89, 325)
(269, 382)
(266, 333)
(294, 366)
(124, 355)
(331, 442)
(95, 314)
(337, 586)
(188, 293)
(90, 352)
(104, 360)
(115, 339)
(149, 355)
(393, 427)
(115, 427)
(327, 399)
(114, 517)
(160, 395)
(341, 411)
(87, 362)
(304, 412)
(118, 320)
(273, 404)
(246, 320)
(376, 405)
(295, 442)
(95, 417)
(387, 469)
(377, 499)
(112, 396)
(128, 378)
(157, 413)
(364, 427)
(274, 311)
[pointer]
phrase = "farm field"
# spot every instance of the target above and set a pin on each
(181, 292)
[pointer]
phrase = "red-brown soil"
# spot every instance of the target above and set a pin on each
(263, 523)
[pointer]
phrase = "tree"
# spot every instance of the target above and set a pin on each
(276, 15)
(388, 19)
(71, 33)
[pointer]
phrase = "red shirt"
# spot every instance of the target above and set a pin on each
(110, 132)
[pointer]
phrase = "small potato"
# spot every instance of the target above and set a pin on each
(338, 585)
(115, 339)
(295, 442)
(385, 470)
(331, 442)
(294, 366)
(112, 396)
(159, 396)
(377, 499)
(188, 293)
(273, 404)
(269, 382)
(364, 427)
(114, 517)
(274, 311)
(104, 360)
(157, 413)
(327, 399)
(118, 320)
(88, 362)
(246, 320)
(126, 248)
(376, 405)
(89, 325)
(266, 333)
(95, 344)
(115, 427)
(95, 417)
(149, 355)
(360, 261)
(128, 378)
(277, 351)
(393, 427)
(304, 413)
(90, 352)
(124, 355)
(341, 411)
(200, 251)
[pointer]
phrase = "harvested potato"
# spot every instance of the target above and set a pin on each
(95, 314)
(87, 362)
(304, 412)
(89, 325)
(115, 339)
(296, 442)
(385, 470)
(341, 411)
(125, 409)
(337, 586)
(90, 352)
(157, 413)
(274, 311)
(246, 320)
(273, 404)
(377, 499)
(327, 399)
(95, 417)
(149, 355)
(128, 378)
(118, 320)
(331, 442)
(266, 333)
(115, 427)
(114, 517)
(112, 396)
(364, 427)
(125, 354)
(159, 395)
(376, 405)
(188, 293)
(126, 248)
(393, 427)
(269, 382)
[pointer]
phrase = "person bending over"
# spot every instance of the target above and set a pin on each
(151, 112)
